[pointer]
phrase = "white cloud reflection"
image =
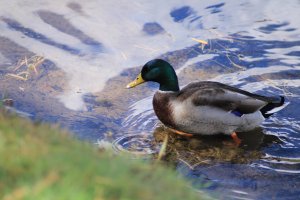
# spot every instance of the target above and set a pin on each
(117, 24)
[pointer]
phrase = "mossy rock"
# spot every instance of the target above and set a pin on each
(38, 161)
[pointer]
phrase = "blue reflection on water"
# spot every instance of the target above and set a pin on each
(180, 14)
(37, 36)
(215, 8)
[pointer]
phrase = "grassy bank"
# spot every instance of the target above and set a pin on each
(42, 162)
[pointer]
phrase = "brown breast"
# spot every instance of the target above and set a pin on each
(162, 107)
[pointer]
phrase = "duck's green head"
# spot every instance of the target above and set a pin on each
(159, 71)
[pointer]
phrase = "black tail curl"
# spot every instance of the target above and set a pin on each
(278, 101)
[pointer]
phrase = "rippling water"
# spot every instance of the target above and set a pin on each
(92, 49)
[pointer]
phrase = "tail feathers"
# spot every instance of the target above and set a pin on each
(276, 105)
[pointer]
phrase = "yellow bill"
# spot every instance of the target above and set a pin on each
(137, 81)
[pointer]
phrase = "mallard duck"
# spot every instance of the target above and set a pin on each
(204, 107)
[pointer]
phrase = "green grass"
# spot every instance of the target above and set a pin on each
(38, 161)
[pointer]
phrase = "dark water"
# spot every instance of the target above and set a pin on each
(92, 50)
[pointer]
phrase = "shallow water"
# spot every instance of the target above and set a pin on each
(94, 49)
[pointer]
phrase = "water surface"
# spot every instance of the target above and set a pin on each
(93, 49)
